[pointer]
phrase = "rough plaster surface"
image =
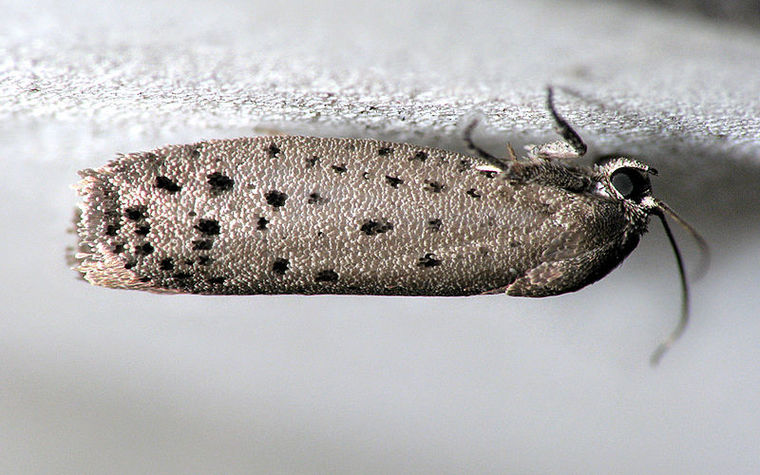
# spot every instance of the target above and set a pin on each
(96, 379)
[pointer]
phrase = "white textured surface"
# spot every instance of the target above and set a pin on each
(98, 380)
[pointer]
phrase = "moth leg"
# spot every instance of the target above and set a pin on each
(496, 162)
(511, 152)
(559, 150)
(563, 128)
(570, 147)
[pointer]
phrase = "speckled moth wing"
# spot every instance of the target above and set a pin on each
(311, 215)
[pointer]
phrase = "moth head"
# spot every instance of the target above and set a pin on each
(627, 180)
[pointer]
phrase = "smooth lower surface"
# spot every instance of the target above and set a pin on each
(101, 381)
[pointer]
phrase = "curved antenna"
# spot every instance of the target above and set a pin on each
(704, 249)
(684, 320)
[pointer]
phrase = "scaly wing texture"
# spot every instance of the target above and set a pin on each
(311, 215)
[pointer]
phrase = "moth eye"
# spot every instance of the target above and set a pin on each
(622, 182)
(630, 183)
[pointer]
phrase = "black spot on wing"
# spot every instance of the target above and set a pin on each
(316, 198)
(144, 249)
(275, 198)
(112, 229)
(280, 266)
(167, 184)
(261, 224)
(273, 150)
(220, 182)
(339, 169)
(135, 213)
(216, 280)
(428, 260)
(434, 225)
(383, 151)
(166, 264)
(142, 230)
(393, 181)
(473, 192)
(209, 227)
(419, 156)
(313, 160)
(434, 186)
(371, 227)
(205, 260)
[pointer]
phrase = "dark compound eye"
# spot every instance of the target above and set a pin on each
(622, 182)
(631, 183)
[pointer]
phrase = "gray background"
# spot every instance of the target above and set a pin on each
(101, 380)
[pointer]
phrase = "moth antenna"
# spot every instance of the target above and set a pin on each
(704, 248)
(684, 320)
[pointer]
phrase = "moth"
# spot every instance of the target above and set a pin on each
(310, 215)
